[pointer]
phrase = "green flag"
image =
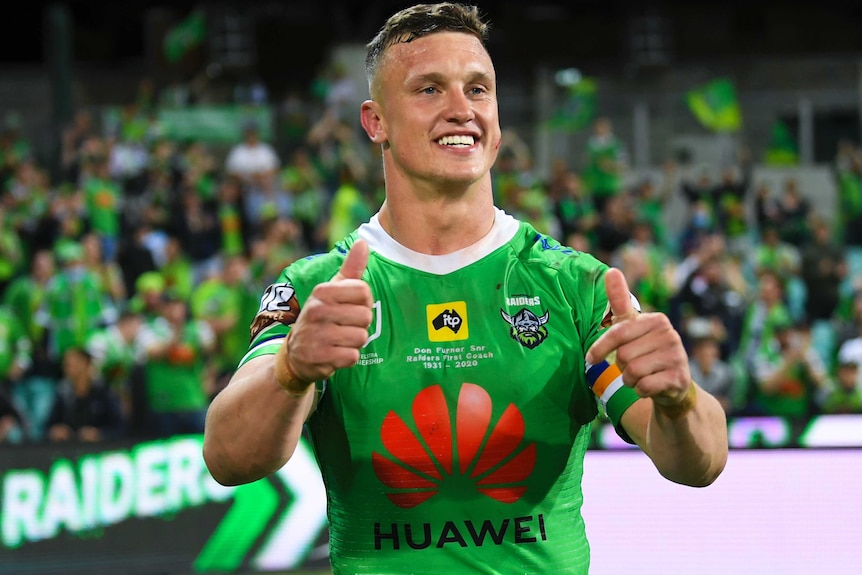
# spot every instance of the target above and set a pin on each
(782, 149)
(715, 106)
(184, 36)
(578, 109)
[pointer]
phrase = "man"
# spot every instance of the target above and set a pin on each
(253, 157)
(84, 409)
(454, 348)
(605, 163)
(177, 349)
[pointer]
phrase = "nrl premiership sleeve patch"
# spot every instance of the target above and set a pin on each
(278, 304)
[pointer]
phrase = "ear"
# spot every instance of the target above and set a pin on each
(372, 122)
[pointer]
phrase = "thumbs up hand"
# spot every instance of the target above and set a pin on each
(648, 350)
(331, 328)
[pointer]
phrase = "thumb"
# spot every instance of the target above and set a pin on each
(355, 263)
(619, 295)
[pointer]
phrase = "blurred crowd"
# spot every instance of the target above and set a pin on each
(128, 279)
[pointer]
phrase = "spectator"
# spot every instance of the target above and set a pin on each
(176, 349)
(711, 372)
(75, 303)
(135, 258)
(34, 393)
(147, 297)
(823, 270)
(349, 208)
(769, 306)
(252, 156)
(115, 355)
(766, 211)
(847, 396)
(650, 201)
(176, 272)
(103, 197)
(789, 378)
(84, 408)
(699, 190)
(712, 293)
(775, 255)
(196, 225)
(107, 270)
(227, 302)
(265, 198)
(304, 181)
(606, 162)
(729, 197)
(648, 267)
(793, 213)
(573, 208)
(698, 227)
(510, 171)
(614, 227)
(236, 229)
(277, 246)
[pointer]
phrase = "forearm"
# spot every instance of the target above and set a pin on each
(253, 425)
(691, 447)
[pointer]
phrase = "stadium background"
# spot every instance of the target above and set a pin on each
(786, 504)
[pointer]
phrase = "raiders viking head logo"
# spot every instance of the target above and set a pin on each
(527, 328)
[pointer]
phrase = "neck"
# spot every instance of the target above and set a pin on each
(438, 224)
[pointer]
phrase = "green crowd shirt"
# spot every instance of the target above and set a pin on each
(456, 443)
(175, 382)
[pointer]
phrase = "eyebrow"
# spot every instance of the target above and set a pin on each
(438, 78)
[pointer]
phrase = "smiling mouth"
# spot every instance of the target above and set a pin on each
(457, 141)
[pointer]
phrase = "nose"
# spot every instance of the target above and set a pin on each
(459, 108)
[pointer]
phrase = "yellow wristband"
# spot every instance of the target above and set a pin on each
(285, 377)
(677, 410)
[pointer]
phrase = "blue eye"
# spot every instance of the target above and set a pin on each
(429, 90)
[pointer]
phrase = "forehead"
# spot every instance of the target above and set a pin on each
(450, 53)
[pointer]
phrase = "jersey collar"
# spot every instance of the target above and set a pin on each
(504, 229)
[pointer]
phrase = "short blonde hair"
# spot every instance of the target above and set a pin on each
(421, 20)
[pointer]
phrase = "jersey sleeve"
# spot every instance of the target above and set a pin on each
(279, 308)
(282, 301)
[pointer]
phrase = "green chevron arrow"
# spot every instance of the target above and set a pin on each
(253, 506)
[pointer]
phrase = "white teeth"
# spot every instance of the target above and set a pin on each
(456, 141)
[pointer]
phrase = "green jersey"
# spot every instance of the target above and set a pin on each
(74, 306)
(456, 443)
(103, 199)
(114, 358)
(175, 382)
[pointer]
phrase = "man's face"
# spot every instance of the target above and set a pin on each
(436, 108)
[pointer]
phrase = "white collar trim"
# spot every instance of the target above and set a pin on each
(503, 230)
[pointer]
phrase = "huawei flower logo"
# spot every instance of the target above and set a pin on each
(491, 460)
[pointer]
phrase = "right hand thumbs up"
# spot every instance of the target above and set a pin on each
(333, 324)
